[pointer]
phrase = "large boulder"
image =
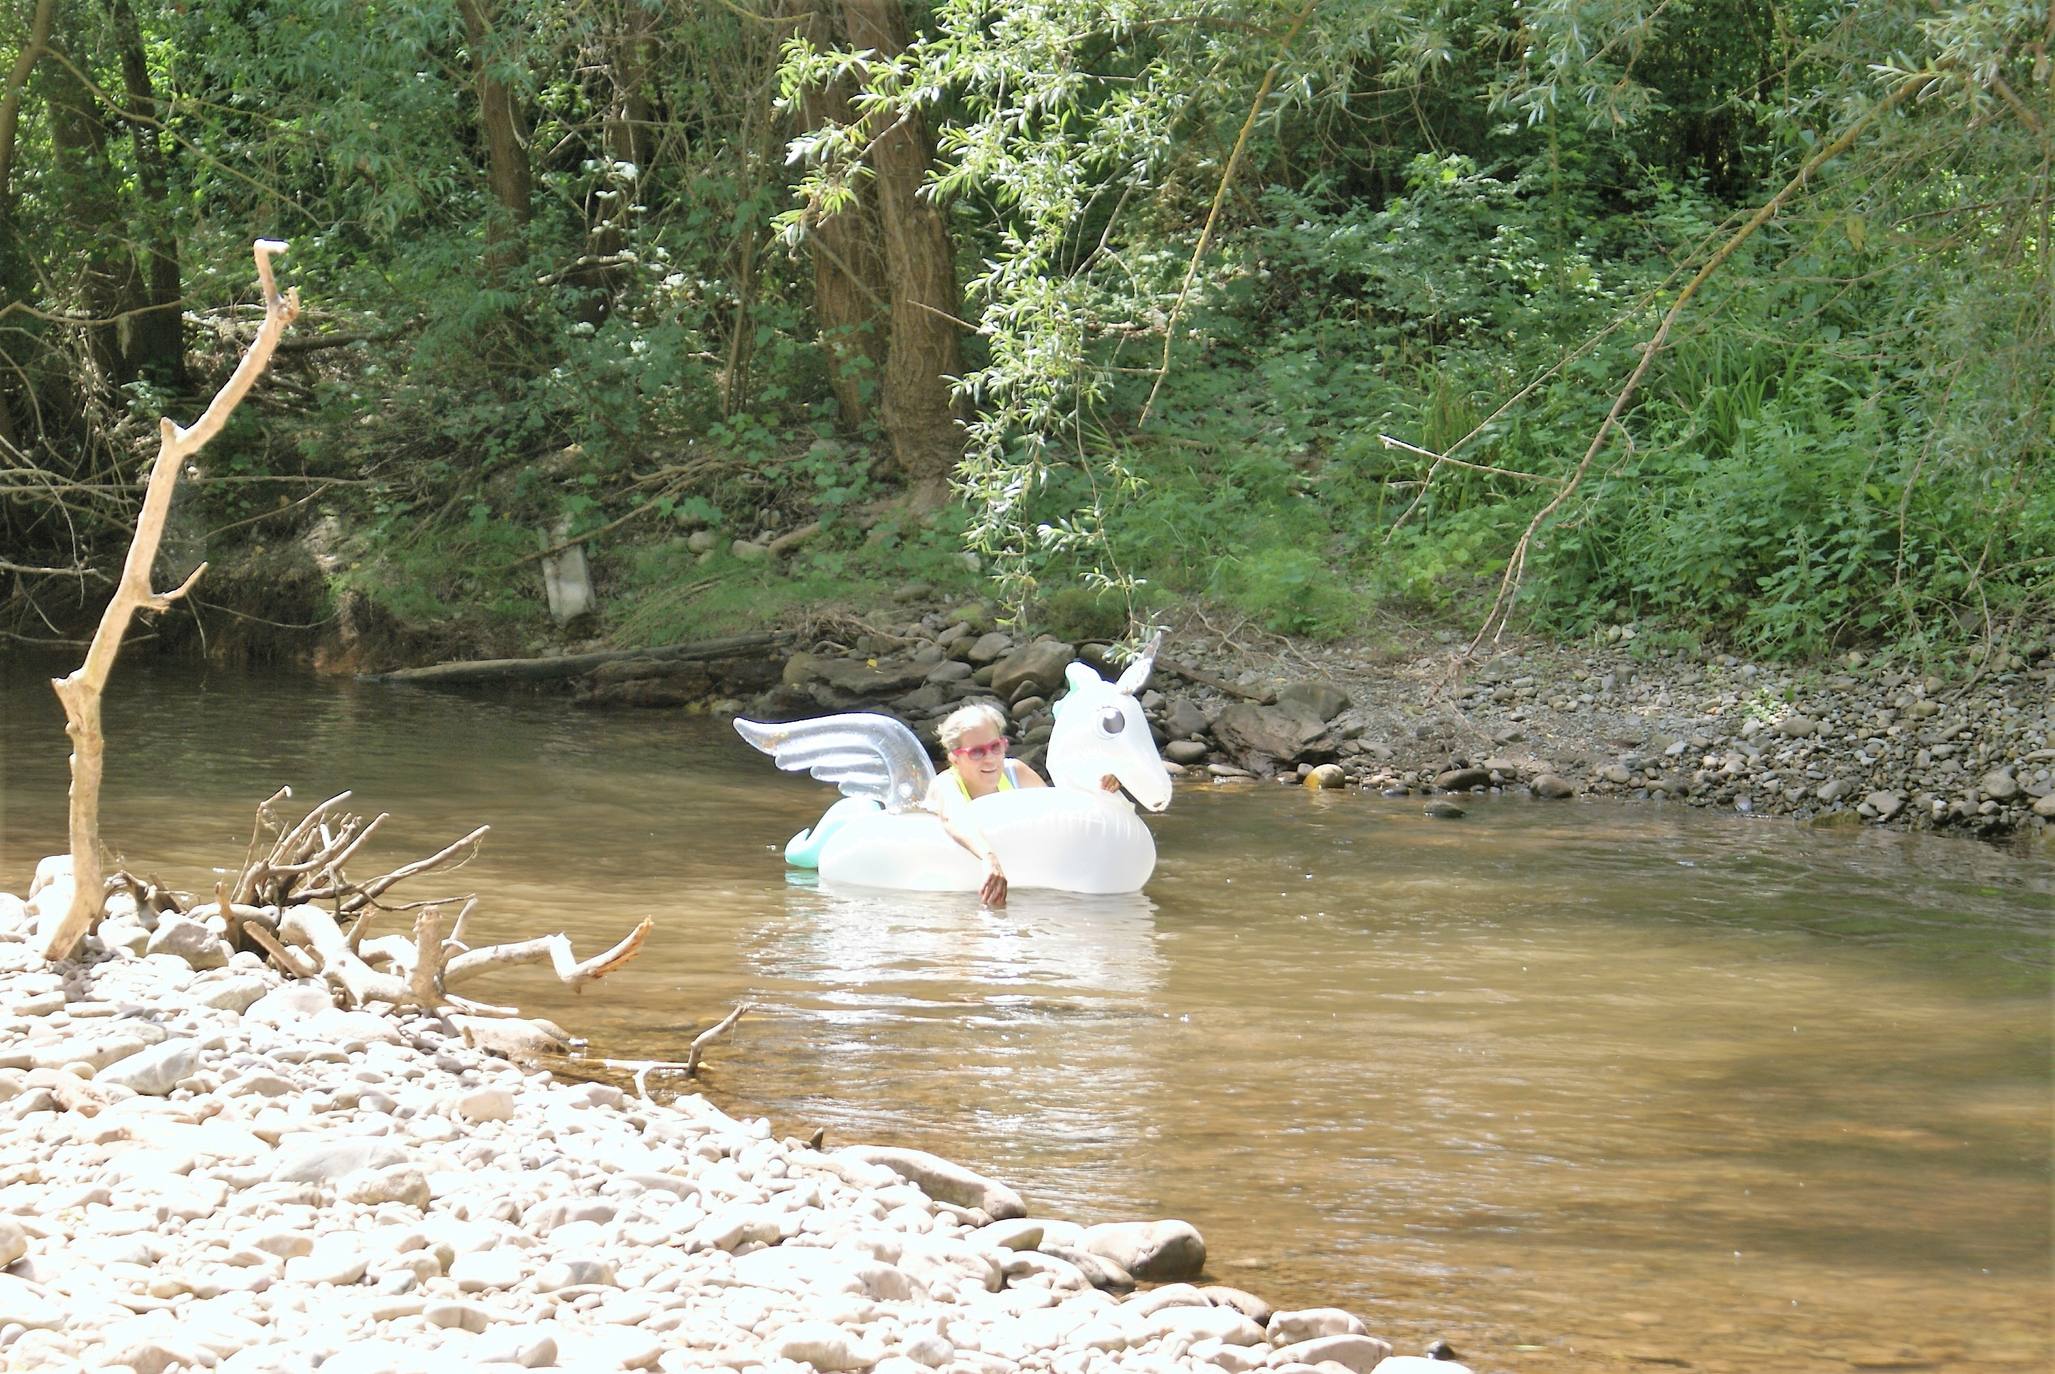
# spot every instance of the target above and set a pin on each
(1152, 1251)
(1040, 664)
(1262, 737)
(841, 683)
(1324, 699)
(943, 1180)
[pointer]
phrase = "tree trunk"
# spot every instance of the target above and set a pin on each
(506, 153)
(156, 341)
(920, 272)
(10, 100)
(850, 298)
(626, 137)
(109, 286)
(13, 275)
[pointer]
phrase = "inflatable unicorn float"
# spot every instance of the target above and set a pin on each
(1073, 835)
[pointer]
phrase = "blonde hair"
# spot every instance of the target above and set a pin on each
(965, 719)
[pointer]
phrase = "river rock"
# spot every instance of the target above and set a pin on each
(1264, 736)
(1361, 1354)
(1883, 805)
(1462, 779)
(1326, 776)
(1999, 785)
(823, 1345)
(989, 647)
(1038, 666)
(324, 1161)
(1248, 1304)
(14, 1242)
(1550, 787)
(403, 1184)
(1152, 1251)
(1310, 1323)
(189, 940)
(943, 1180)
(291, 1004)
(154, 1071)
(485, 1104)
(1797, 726)
(1182, 718)
(1323, 699)
(1185, 751)
(226, 990)
(1444, 810)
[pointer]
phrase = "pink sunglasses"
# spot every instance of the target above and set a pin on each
(978, 751)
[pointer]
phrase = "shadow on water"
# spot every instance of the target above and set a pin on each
(1573, 1086)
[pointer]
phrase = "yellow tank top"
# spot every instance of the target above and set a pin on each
(1006, 783)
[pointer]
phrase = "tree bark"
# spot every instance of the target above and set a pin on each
(920, 270)
(109, 286)
(507, 172)
(11, 276)
(157, 338)
(10, 100)
(850, 295)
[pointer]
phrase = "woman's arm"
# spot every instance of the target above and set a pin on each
(951, 809)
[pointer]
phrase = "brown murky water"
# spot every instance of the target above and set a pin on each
(1581, 1086)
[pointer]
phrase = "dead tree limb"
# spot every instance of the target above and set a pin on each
(316, 931)
(424, 984)
(363, 895)
(576, 665)
(711, 1034)
(278, 953)
(1509, 584)
(554, 948)
(81, 691)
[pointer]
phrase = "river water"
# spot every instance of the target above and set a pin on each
(1574, 1086)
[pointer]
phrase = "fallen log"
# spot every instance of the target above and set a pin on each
(1213, 680)
(486, 670)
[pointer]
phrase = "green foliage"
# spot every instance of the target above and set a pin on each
(1197, 314)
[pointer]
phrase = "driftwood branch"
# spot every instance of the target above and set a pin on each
(457, 852)
(711, 1034)
(81, 692)
(576, 665)
(689, 1066)
(556, 949)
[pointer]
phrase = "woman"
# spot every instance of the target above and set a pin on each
(974, 737)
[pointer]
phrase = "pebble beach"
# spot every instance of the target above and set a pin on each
(206, 1165)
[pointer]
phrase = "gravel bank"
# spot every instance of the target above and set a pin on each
(1855, 742)
(221, 1169)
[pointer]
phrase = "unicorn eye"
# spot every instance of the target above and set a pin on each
(1112, 720)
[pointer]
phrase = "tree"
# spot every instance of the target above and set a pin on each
(902, 233)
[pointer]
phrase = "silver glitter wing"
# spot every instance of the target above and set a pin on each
(862, 753)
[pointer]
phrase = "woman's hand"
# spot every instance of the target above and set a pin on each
(993, 892)
(1110, 783)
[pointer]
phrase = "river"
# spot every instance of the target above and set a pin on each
(1573, 1086)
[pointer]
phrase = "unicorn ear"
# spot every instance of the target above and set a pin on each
(1138, 671)
(1081, 676)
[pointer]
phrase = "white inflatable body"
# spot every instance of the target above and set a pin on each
(1073, 835)
(1054, 837)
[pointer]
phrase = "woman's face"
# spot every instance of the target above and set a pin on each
(979, 756)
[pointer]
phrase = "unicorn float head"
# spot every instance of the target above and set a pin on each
(1073, 835)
